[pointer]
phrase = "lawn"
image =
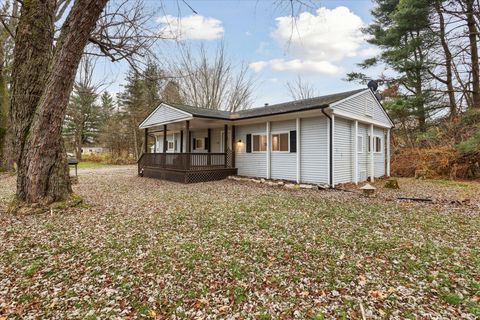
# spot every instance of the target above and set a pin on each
(153, 249)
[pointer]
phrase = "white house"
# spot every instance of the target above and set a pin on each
(338, 138)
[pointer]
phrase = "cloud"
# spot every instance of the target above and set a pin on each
(194, 27)
(318, 42)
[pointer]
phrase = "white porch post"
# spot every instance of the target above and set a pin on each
(155, 145)
(268, 150)
(355, 152)
(372, 167)
(297, 124)
(333, 150)
(388, 152)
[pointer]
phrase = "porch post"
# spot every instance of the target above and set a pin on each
(298, 142)
(268, 129)
(388, 152)
(145, 147)
(209, 146)
(225, 144)
(181, 141)
(155, 145)
(164, 138)
(187, 146)
(233, 146)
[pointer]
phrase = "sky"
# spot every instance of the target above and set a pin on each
(323, 45)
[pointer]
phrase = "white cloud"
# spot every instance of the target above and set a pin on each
(318, 42)
(194, 27)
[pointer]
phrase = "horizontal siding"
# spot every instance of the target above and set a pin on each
(314, 150)
(379, 158)
(343, 146)
(363, 157)
(164, 114)
(358, 106)
(283, 164)
(250, 164)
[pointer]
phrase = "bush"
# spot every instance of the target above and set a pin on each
(107, 158)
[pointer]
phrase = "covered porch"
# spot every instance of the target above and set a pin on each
(188, 151)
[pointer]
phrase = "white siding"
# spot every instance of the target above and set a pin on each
(363, 157)
(379, 158)
(163, 114)
(314, 150)
(361, 104)
(343, 148)
(250, 164)
(283, 164)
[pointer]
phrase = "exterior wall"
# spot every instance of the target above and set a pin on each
(379, 158)
(343, 150)
(250, 164)
(164, 114)
(363, 157)
(364, 105)
(314, 150)
(283, 164)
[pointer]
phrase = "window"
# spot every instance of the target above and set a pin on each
(170, 145)
(199, 144)
(280, 142)
(360, 144)
(377, 144)
(259, 143)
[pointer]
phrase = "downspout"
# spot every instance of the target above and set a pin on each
(330, 152)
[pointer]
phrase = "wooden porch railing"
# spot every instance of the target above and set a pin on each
(185, 161)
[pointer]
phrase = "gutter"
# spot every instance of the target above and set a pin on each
(330, 152)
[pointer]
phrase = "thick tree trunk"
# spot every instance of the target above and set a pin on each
(473, 32)
(43, 171)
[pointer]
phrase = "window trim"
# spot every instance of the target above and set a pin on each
(374, 143)
(279, 133)
(168, 145)
(259, 134)
(362, 140)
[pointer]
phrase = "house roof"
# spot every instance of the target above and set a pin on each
(286, 107)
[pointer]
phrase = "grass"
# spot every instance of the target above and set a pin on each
(91, 165)
(146, 248)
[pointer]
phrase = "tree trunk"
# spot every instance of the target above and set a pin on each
(472, 35)
(39, 102)
(448, 61)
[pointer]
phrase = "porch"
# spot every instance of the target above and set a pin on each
(195, 150)
(186, 167)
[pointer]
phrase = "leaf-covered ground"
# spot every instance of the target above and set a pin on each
(153, 249)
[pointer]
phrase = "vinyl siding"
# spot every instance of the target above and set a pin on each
(164, 114)
(314, 150)
(363, 157)
(379, 158)
(250, 164)
(343, 151)
(364, 105)
(283, 164)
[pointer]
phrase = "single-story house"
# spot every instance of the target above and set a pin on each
(332, 139)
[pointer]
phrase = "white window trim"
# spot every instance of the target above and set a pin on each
(168, 145)
(362, 144)
(280, 132)
(259, 134)
(381, 144)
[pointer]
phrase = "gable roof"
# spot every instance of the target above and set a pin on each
(281, 108)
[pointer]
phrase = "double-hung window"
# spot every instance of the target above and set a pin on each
(259, 143)
(377, 144)
(280, 142)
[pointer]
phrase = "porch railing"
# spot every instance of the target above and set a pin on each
(185, 161)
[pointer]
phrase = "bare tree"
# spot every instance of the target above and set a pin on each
(212, 83)
(300, 89)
